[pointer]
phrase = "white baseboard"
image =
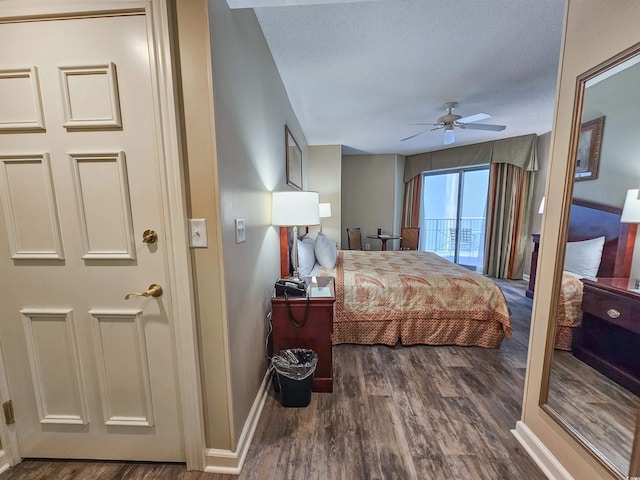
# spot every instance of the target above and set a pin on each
(525, 276)
(548, 463)
(4, 461)
(230, 462)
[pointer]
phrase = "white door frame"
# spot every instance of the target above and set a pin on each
(173, 199)
(9, 451)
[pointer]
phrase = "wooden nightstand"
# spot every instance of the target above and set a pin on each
(609, 336)
(316, 333)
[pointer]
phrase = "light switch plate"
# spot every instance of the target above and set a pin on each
(240, 230)
(198, 230)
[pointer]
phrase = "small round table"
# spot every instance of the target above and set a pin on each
(383, 238)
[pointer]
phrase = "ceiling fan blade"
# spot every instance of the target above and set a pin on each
(449, 137)
(474, 118)
(412, 136)
(481, 126)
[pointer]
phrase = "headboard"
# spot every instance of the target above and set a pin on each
(589, 220)
(286, 242)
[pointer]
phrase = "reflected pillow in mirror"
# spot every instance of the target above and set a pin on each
(306, 256)
(583, 258)
(326, 251)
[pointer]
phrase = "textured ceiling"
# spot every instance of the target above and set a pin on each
(360, 73)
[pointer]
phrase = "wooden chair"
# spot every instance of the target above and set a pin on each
(354, 239)
(409, 240)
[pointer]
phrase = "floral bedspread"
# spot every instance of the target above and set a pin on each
(569, 310)
(570, 303)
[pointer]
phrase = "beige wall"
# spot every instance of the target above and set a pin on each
(202, 186)
(588, 23)
(251, 110)
(325, 167)
(236, 158)
(369, 196)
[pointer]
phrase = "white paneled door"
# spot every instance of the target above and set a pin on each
(91, 375)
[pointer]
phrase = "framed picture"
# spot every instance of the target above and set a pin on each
(589, 143)
(294, 160)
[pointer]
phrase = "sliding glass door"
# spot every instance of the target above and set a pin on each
(454, 205)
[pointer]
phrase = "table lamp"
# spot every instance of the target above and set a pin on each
(292, 209)
(631, 209)
(631, 214)
(325, 212)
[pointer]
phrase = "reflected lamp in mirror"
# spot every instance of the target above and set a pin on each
(631, 209)
(292, 209)
(541, 207)
(325, 212)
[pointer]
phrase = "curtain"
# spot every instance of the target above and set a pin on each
(508, 211)
(411, 206)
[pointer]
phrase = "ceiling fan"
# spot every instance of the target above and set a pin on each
(450, 121)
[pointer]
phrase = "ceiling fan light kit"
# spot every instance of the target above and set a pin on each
(450, 121)
(449, 136)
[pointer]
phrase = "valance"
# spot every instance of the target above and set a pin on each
(520, 151)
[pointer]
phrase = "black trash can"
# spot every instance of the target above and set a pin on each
(295, 368)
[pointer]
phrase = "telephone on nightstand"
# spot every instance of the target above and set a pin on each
(290, 286)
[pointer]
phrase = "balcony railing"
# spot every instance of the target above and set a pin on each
(439, 234)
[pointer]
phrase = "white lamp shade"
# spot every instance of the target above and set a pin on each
(541, 207)
(631, 209)
(325, 210)
(294, 208)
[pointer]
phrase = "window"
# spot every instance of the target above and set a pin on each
(454, 205)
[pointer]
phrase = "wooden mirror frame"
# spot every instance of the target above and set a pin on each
(634, 461)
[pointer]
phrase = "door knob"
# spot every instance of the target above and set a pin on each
(154, 290)
(149, 236)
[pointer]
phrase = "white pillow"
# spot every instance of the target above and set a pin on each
(583, 258)
(326, 251)
(306, 256)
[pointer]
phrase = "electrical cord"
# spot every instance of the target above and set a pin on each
(292, 318)
(266, 342)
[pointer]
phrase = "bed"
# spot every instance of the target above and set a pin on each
(589, 221)
(383, 297)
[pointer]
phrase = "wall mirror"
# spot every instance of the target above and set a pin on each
(592, 369)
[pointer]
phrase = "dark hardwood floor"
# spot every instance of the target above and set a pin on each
(418, 412)
(603, 412)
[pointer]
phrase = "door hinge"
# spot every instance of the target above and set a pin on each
(9, 418)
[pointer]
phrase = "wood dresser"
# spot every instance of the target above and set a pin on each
(314, 335)
(609, 337)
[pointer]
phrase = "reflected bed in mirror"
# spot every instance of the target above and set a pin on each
(592, 373)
